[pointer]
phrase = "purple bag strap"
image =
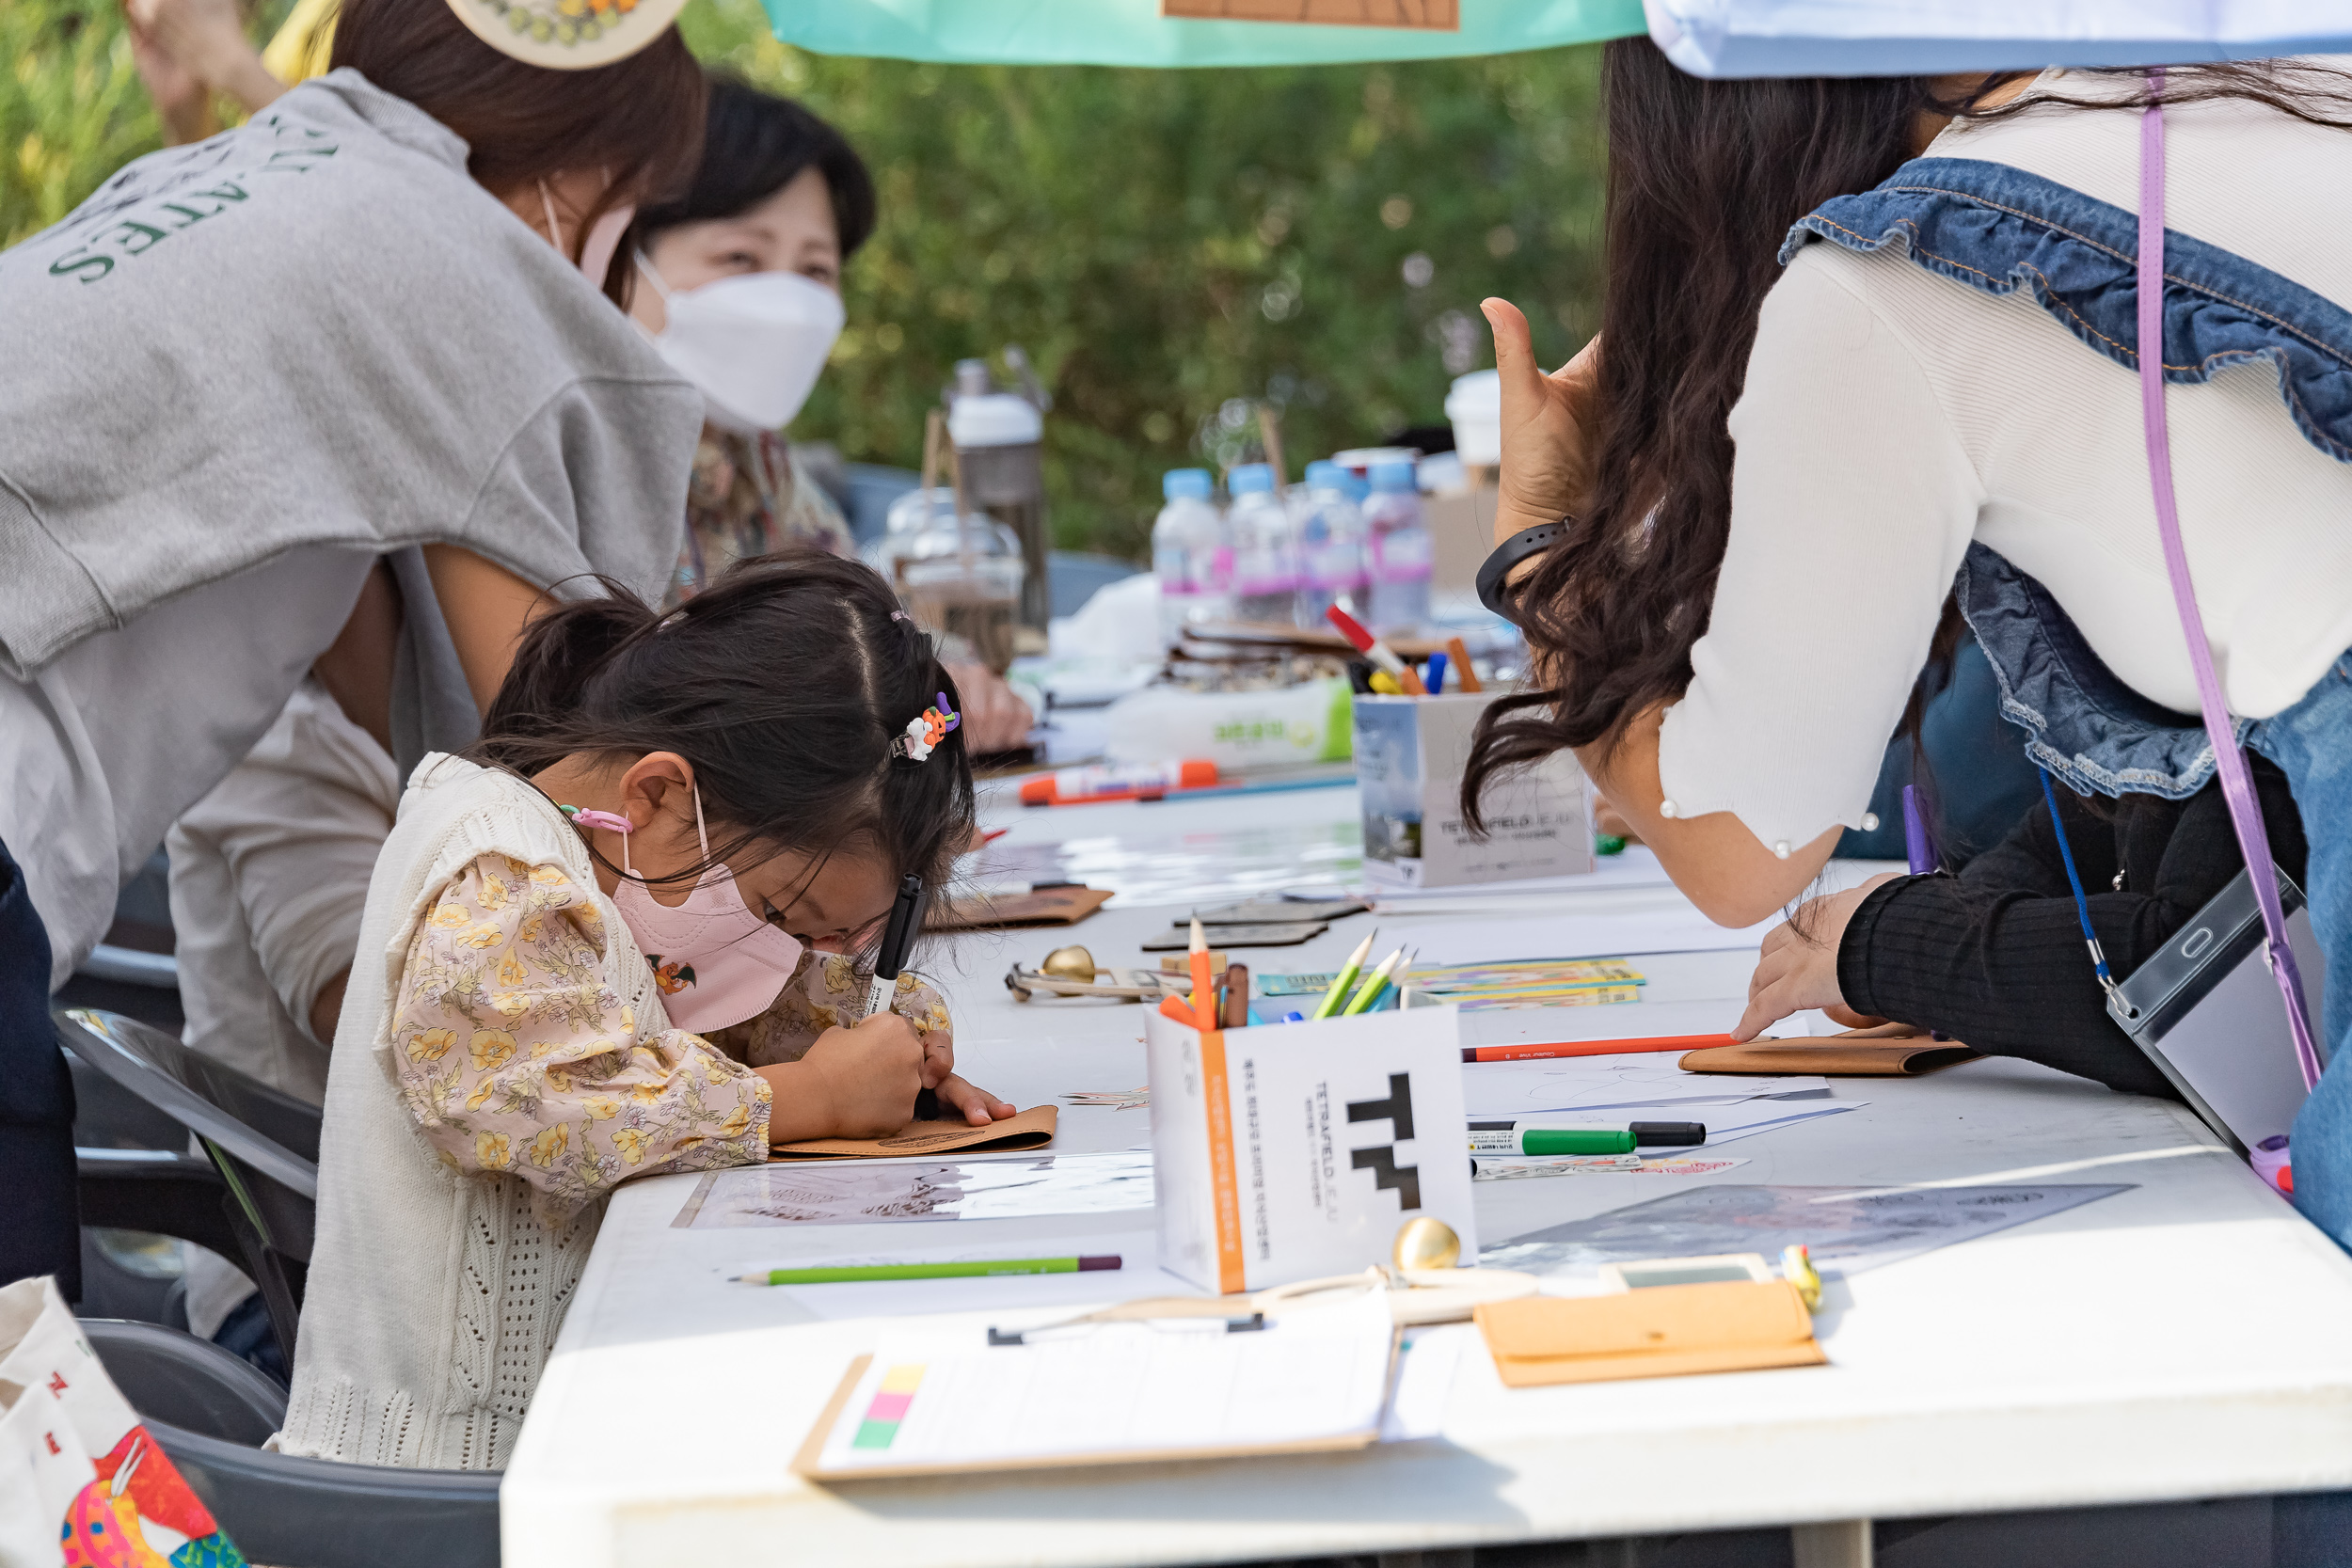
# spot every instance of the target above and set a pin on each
(2237, 784)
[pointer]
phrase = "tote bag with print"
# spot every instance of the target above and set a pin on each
(81, 1483)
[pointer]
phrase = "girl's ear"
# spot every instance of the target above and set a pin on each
(660, 784)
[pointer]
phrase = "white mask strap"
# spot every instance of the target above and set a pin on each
(555, 230)
(702, 836)
(645, 265)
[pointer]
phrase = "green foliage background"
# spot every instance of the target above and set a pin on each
(1161, 243)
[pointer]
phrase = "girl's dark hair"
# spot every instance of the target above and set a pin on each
(754, 145)
(1705, 180)
(783, 683)
(641, 118)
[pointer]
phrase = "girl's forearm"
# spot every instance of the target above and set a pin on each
(799, 1104)
(1734, 878)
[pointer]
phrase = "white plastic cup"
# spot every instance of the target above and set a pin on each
(1474, 407)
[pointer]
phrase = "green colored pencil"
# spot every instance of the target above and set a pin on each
(977, 1269)
(1337, 993)
(1372, 987)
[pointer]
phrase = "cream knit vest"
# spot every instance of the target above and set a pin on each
(433, 1297)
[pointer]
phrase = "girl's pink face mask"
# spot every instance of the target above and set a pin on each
(715, 961)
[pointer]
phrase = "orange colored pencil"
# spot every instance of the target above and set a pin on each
(1537, 1053)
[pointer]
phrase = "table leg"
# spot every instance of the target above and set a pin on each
(1841, 1544)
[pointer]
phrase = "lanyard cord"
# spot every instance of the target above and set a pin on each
(2237, 785)
(2073, 879)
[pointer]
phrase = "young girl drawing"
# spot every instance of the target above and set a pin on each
(667, 823)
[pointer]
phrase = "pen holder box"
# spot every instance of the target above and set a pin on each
(1410, 754)
(1291, 1152)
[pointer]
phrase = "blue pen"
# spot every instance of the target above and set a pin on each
(1916, 843)
(1434, 680)
(1920, 850)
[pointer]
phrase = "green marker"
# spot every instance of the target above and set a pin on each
(1586, 1140)
(1355, 966)
(977, 1269)
(1371, 989)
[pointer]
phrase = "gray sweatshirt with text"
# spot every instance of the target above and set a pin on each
(314, 329)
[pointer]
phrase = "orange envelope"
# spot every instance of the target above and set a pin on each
(1665, 1331)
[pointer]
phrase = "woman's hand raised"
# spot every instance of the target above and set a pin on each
(1549, 425)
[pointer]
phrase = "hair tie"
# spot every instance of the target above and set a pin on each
(588, 816)
(924, 733)
(900, 615)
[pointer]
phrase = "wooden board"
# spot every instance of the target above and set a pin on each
(1441, 16)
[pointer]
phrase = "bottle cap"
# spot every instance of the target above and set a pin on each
(1249, 479)
(994, 420)
(1324, 474)
(1186, 485)
(1391, 477)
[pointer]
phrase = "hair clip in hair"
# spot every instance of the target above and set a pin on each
(924, 733)
(588, 816)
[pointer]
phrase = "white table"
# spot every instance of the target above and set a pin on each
(2184, 1338)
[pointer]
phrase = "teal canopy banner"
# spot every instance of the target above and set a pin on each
(1133, 32)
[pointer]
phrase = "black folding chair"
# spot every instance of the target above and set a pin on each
(211, 1412)
(258, 1199)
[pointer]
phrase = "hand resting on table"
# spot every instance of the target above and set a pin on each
(1798, 967)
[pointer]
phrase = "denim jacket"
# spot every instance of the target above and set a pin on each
(1997, 229)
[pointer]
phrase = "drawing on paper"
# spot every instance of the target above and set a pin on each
(872, 1193)
(1847, 1229)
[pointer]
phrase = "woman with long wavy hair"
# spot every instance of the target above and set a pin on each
(1870, 351)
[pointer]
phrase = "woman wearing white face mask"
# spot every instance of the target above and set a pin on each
(740, 289)
(742, 297)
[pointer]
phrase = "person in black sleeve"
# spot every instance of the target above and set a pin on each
(1995, 956)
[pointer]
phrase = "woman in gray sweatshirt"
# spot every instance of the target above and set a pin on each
(378, 320)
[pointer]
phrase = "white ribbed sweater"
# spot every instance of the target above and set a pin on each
(1891, 416)
(434, 1297)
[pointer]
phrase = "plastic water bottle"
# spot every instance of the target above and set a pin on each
(1191, 554)
(1265, 549)
(1400, 550)
(1330, 544)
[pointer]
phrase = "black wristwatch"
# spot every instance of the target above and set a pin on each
(1493, 576)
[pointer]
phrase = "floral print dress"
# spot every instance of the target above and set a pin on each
(514, 1054)
(749, 495)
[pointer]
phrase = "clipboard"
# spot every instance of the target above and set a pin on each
(1032, 1128)
(1356, 1341)
(1048, 906)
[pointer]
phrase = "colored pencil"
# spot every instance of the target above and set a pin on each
(977, 1269)
(1337, 996)
(1535, 1053)
(1378, 982)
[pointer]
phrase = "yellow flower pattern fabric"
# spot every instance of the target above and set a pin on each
(827, 990)
(515, 1055)
(750, 495)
